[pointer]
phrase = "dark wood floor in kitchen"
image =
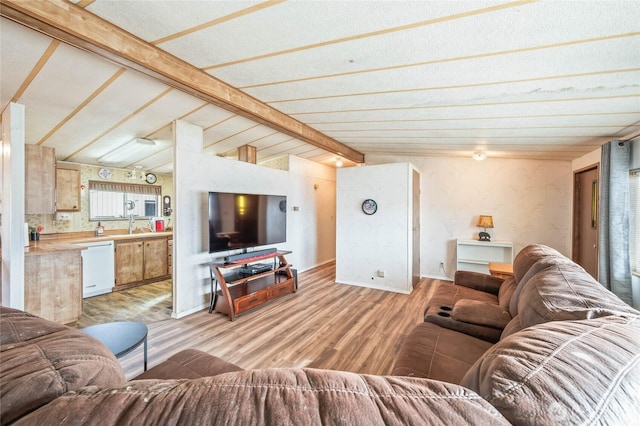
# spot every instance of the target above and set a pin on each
(322, 325)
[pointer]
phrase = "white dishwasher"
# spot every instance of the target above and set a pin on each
(98, 273)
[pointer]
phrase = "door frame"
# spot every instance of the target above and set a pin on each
(575, 233)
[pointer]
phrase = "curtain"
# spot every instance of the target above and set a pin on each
(614, 269)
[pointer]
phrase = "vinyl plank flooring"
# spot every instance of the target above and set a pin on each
(322, 325)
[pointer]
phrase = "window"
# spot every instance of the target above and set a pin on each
(116, 201)
(634, 220)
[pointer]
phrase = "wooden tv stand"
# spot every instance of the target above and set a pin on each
(237, 294)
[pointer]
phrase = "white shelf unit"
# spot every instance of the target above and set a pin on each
(474, 255)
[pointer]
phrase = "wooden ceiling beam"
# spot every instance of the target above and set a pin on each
(77, 27)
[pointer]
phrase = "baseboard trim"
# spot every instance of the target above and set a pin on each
(383, 288)
(189, 312)
(439, 277)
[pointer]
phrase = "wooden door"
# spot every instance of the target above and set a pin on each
(155, 258)
(585, 221)
(67, 190)
(129, 261)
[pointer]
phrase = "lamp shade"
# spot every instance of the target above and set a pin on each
(485, 221)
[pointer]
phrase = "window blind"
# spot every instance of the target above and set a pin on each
(128, 188)
(110, 200)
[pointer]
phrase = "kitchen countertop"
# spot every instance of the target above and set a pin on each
(37, 248)
(109, 237)
(60, 242)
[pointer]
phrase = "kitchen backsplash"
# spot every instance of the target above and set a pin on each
(79, 221)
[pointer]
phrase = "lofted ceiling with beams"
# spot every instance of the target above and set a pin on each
(526, 79)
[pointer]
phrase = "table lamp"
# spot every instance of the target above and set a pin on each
(485, 222)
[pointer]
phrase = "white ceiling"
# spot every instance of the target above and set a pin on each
(541, 80)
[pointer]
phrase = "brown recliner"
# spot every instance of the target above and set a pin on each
(482, 305)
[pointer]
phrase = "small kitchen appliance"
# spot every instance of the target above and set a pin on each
(158, 224)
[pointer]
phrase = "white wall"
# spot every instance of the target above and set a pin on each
(313, 191)
(367, 244)
(310, 230)
(530, 201)
(12, 201)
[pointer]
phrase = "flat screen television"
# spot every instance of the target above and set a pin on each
(240, 221)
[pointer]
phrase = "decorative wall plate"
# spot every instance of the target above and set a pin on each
(104, 173)
(369, 206)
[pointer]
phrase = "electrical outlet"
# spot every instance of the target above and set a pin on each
(381, 273)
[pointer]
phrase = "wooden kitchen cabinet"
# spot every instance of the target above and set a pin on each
(141, 261)
(129, 262)
(53, 285)
(155, 258)
(40, 179)
(67, 190)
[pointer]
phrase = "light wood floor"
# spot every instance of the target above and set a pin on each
(322, 325)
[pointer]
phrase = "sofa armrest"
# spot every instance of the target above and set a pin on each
(444, 318)
(478, 281)
(482, 313)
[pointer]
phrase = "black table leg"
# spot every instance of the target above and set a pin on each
(145, 353)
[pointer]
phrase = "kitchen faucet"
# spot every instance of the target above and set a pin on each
(130, 205)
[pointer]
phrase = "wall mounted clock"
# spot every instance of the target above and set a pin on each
(369, 206)
(105, 173)
(151, 178)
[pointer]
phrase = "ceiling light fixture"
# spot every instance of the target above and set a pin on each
(338, 162)
(479, 156)
(128, 153)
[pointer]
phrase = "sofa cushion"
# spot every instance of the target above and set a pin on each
(507, 289)
(435, 352)
(443, 316)
(565, 291)
(564, 372)
(481, 313)
(42, 360)
(273, 397)
(445, 293)
(189, 364)
(478, 281)
(542, 264)
(528, 256)
(513, 327)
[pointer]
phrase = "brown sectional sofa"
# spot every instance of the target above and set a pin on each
(569, 354)
(547, 348)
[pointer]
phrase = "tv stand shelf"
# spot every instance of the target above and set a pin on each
(233, 294)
